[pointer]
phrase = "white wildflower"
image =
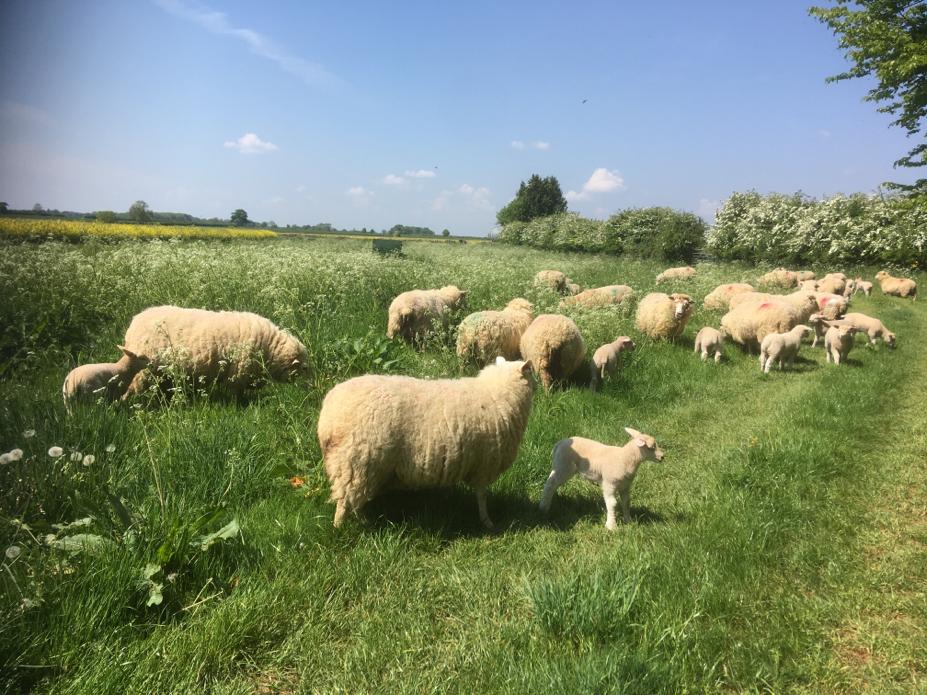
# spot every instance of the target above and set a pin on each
(76, 456)
(16, 454)
(13, 552)
(110, 448)
(28, 434)
(5, 459)
(56, 452)
(89, 459)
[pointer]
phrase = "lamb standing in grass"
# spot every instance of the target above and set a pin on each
(606, 358)
(662, 316)
(681, 273)
(600, 296)
(782, 348)
(898, 287)
(412, 314)
(554, 346)
(863, 286)
(720, 296)
(709, 340)
(818, 323)
(378, 432)
(107, 379)
(838, 341)
(872, 327)
(485, 335)
(612, 467)
(808, 285)
(850, 289)
(235, 348)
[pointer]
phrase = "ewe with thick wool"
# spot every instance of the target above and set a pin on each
(897, 287)
(606, 358)
(782, 348)
(838, 341)
(611, 467)
(234, 348)
(748, 323)
(709, 340)
(833, 283)
(107, 379)
(554, 346)
(833, 306)
(872, 327)
(664, 316)
(805, 303)
(485, 335)
(379, 432)
(685, 272)
(720, 296)
(804, 275)
(780, 277)
(553, 279)
(600, 296)
(413, 314)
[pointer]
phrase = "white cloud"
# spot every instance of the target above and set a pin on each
(535, 145)
(358, 191)
(602, 181)
(824, 133)
(393, 180)
(707, 208)
(301, 188)
(518, 144)
(249, 143)
(420, 174)
(541, 145)
(359, 195)
(473, 196)
(16, 111)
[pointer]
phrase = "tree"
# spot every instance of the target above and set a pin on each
(106, 216)
(446, 232)
(38, 208)
(140, 212)
(538, 198)
(239, 218)
(887, 40)
(3, 208)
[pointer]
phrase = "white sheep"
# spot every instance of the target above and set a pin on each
(554, 346)
(663, 316)
(107, 379)
(850, 288)
(872, 327)
(863, 286)
(709, 340)
(553, 279)
(600, 296)
(573, 288)
(412, 314)
(720, 296)
(833, 283)
(611, 467)
(485, 335)
(681, 273)
(782, 348)
(804, 303)
(833, 306)
(818, 323)
(780, 277)
(748, 323)
(808, 285)
(838, 341)
(898, 287)
(378, 432)
(804, 275)
(235, 348)
(606, 358)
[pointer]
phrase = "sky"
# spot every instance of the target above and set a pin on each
(370, 114)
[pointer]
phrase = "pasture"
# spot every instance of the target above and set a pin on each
(779, 547)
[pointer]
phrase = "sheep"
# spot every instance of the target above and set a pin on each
(109, 379)
(606, 358)
(235, 348)
(572, 288)
(681, 273)
(863, 286)
(709, 340)
(850, 289)
(554, 347)
(817, 322)
(484, 335)
(383, 431)
(782, 347)
(898, 287)
(780, 277)
(662, 316)
(838, 341)
(612, 467)
(720, 296)
(833, 306)
(412, 314)
(833, 283)
(748, 323)
(872, 327)
(804, 275)
(553, 279)
(805, 303)
(600, 296)
(808, 285)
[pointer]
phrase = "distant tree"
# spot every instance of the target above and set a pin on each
(239, 218)
(38, 208)
(538, 198)
(446, 232)
(106, 216)
(3, 208)
(140, 212)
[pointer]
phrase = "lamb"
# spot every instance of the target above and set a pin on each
(553, 279)
(235, 348)
(780, 277)
(554, 347)
(108, 379)
(863, 286)
(484, 335)
(872, 327)
(838, 341)
(412, 314)
(572, 288)
(804, 275)
(748, 323)
(600, 296)
(782, 347)
(720, 296)
(379, 431)
(612, 467)
(817, 322)
(833, 306)
(606, 358)
(898, 287)
(662, 316)
(850, 289)
(709, 340)
(833, 283)
(681, 273)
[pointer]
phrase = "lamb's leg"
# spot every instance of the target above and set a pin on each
(139, 383)
(814, 342)
(626, 505)
(481, 503)
(829, 353)
(704, 354)
(608, 492)
(836, 356)
(717, 356)
(558, 476)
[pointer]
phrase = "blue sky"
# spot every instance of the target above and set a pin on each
(369, 114)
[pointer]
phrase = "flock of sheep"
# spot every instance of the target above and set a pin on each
(378, 432)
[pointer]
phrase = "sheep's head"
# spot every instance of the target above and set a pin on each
(520, 304)
(802, 329)
(682, 305)
(881, 275)
(524, 367)
(291, 359)
(889, 338)
(625, 343)
(646, 444)
(816, 319)
(131, 360)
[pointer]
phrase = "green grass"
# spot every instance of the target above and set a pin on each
(780, 546)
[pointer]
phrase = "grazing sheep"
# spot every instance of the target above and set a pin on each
(808, 285)
(554, 347)
(817, 322)
(833, 306)
(412, 313)
(485, 335)
(378, 432)
(681, 273)
(804, 275)
(235, 348)
(612, 467)
(863, 286)
(872, 327)
(662, 316)
(720, 296)
(838, 341)
(606, 358)
(600, 296)
(553, 279)
(781, 348)
(833, 283)
(805, 303)
(780, 277)
(572, 288)
(109, 379)
(748, 323)
(898, 287)
(709, 340)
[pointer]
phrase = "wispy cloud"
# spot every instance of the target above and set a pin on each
(707, 208)
(249, 143)
(535, 145)
(360, 196)
(474, 196)
(215, 22)
(420, 174)
(24, 113)
(824, 133)
(393, 180)
(602, 181)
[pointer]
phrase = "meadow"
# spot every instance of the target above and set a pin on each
(779, 547)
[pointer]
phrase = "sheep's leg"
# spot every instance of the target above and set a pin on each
(814, 342)
(608, 492)
(836, 356)
(717, 356)
(626, 505)
(341, 509)
(704, 354)
(481, 503)
(763, 361)
(558, 476)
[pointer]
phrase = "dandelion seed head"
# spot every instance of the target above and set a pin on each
(76, 456)
(13, 552)
(28, 434)
(16, 454)
(110, 448)
(56, 452)
(89, 459)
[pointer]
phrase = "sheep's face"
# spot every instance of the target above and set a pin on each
(889, 338)
(682, 305)
(647, 445)
(134, 362)
(625, 343)
(881, 275)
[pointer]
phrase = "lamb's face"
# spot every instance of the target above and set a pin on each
(294, 359)
(889, 338)
(625, 343)
(646, 444)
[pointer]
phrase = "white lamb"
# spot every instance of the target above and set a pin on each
(606, 358)
(554, 346)
(412, 314)
(872, 327)
(612, 467)
(107, 379)
(838, 341)
(863, 286)
(379, 432)
(600, 296)
(485, 335)
(662, 316)
(818, 323)
(681, 273)
(782, 348)
(709, 340)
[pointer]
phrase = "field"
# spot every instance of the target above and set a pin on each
(51, 228)
(779, 547)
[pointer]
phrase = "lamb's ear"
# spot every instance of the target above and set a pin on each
(632, 432)
(526, 368)
(641, 442)
(500, 360)
(127, 352)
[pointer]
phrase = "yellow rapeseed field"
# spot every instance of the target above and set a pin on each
(76, 228)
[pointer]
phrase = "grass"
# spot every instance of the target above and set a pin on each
(780, 546)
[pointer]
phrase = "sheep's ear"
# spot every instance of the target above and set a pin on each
(126, 351)
(632, 432)
(500, 360)
(526, 368)
(641, 442)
